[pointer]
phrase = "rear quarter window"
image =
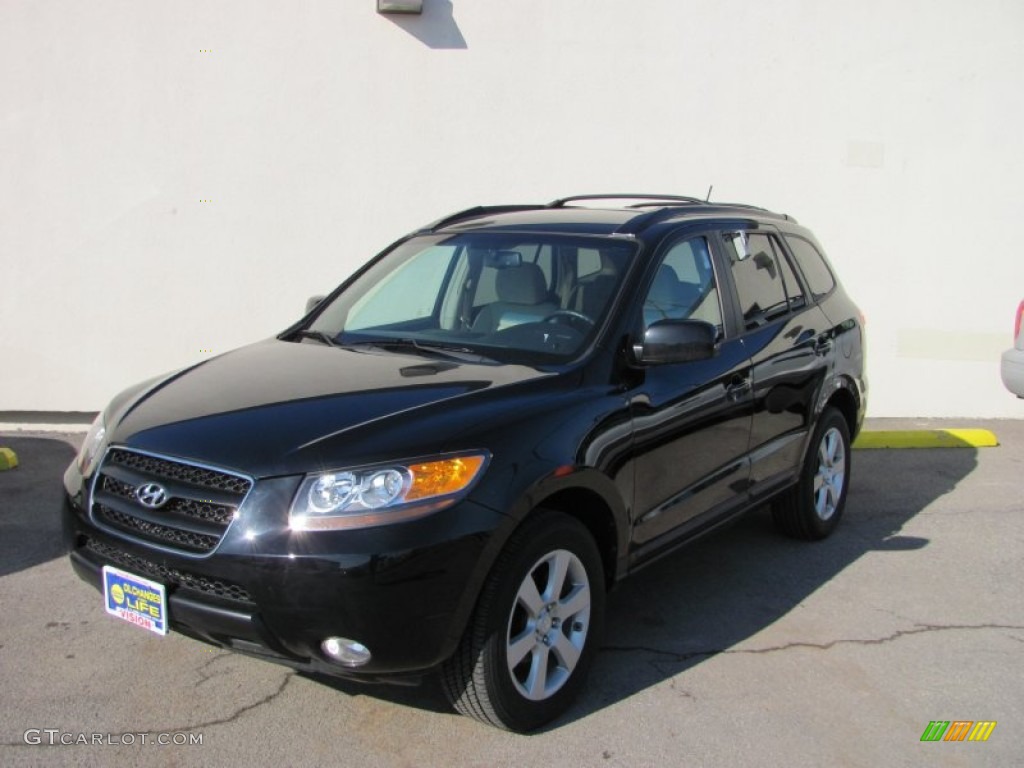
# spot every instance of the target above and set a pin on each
(819, 277)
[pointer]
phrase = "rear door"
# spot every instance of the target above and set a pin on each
(789, 341)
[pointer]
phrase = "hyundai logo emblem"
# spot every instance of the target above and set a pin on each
(151, 495)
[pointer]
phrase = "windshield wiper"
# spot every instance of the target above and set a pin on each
(320, 336)
(427, 348)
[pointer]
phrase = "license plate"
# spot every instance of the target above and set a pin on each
(137, 600)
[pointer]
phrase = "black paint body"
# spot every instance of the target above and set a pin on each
(648, 457)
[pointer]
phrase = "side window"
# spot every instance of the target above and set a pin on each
(758, 277)
(486, 287)
(542, 258)
(588, 262)
(684, 286)
(812, 264)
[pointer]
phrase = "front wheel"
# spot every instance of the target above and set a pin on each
(812, 508)
(532, 638)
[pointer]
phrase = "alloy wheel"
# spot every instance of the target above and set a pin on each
(548, 626)
(831, 475)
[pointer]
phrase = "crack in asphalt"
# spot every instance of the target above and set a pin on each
(898, 634)
(238, 713)
(202, 670)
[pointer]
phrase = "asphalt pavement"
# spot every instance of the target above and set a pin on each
(743, 649)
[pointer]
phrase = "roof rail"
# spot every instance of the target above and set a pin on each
(478, 210)
(560, 203)
(671, 204)
(657, 208)
(654, 213)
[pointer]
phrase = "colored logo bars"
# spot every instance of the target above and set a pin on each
(958, 730)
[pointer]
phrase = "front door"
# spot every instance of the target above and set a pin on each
(691, 421)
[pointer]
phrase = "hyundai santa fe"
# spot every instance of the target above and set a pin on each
(449, 460)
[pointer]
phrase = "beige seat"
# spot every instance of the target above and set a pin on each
(522, 298)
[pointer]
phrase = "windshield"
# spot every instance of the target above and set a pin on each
(514, 298)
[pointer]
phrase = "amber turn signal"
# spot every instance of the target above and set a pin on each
(444, 477)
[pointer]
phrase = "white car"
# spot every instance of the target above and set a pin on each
(1013, 359)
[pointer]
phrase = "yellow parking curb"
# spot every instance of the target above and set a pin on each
(8, 458)
(927, 438)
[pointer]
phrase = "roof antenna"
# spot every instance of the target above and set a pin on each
(708, 198)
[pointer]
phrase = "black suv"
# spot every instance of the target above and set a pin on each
(448, 461)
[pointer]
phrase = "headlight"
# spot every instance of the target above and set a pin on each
(92, 446)
(360, 498)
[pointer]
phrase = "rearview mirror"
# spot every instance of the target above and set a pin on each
(312, 302)
(503, 259)
(677, 341)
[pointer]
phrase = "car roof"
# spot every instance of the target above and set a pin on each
(583, 214)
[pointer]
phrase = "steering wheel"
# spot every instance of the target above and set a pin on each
(570, 315)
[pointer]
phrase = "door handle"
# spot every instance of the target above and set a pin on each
(738, 388)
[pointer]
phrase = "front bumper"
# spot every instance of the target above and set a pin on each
(405, 591)
(1012, 371)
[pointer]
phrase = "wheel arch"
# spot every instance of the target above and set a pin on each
(591, 510)
(588, 496)
(844, 401)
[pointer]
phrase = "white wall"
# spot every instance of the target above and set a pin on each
(319, 131)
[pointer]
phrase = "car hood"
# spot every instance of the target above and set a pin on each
(279, 407)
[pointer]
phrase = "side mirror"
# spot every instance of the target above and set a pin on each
(312, 302)
(677, 341)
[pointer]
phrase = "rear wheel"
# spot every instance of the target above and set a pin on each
(812, 508)
(532, 638)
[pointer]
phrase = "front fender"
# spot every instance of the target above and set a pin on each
(559, 483)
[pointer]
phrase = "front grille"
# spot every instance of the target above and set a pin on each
(194, 542)
(198, 506)
(177, 470)
(170, 577)
(201, 510)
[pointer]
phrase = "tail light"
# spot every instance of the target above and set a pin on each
(1017, 322)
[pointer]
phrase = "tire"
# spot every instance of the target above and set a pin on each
(812, 508)
(542, 608)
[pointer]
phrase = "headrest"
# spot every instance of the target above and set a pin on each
(521, 285)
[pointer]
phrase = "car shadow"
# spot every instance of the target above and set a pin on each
(706, 598)
(30, 499)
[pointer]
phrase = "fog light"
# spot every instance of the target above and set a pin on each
(345, 651)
